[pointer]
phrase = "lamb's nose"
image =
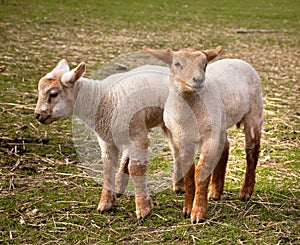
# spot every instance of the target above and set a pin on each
(198, 79)
(37, 116)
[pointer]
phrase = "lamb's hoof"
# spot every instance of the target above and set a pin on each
(186, 215)
(103, 207)
(143, 207)
(178, 189)
(119, 191)
(121, 183)
(178, 186)
(198, 215)
(107, 200)
(197, 220)
(214, 196)
(245, 194)
(186, 212)
(245, 197)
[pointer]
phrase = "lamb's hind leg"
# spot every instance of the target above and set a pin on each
(178, 180)
(178, 173)
(122, 177)
(218, 176)
(138, 173)
(138, 166)
(252, 148)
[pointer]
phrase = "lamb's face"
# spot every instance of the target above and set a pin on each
(53, 102)
(187, 66)
(188, 70)
(57, 92)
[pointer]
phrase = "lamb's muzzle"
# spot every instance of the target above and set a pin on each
(198, 82)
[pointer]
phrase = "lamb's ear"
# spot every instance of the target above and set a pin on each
(164, 55)
(69, 78)
(212, 53)
(61, 68)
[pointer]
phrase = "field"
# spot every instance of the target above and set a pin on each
(47, 198)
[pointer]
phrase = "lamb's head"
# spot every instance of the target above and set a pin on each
(187, 66)
(57, 92)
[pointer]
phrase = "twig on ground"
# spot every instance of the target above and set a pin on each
(256, 31)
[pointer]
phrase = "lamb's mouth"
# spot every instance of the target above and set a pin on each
(196, 86)
(44, 121)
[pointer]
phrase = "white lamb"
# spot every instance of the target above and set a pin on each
(120, 109)
(215, 97)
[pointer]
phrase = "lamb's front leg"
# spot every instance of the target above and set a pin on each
(211, 152)
(108, 195)
(138, 173)
(178, 180)
(189, 193)
(202, 179)
(187, 153)
(200, 205)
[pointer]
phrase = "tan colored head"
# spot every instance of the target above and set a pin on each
(187, 66)
(57, 92)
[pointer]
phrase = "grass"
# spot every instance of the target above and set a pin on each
(47, 198)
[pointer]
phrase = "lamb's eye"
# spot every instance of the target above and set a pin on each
(53, 95)
(177, 64)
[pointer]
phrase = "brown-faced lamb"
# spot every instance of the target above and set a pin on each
(203, 102)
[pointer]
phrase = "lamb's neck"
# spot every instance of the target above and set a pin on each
(179, 96)
(83, 84)
(87, 94)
